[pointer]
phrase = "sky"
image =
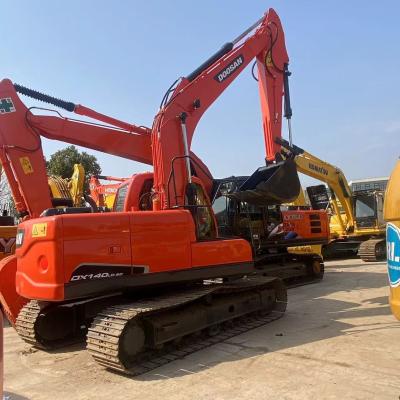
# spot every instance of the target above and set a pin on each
(119, 58)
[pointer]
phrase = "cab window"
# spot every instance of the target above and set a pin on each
(120, 198)
(202, 214)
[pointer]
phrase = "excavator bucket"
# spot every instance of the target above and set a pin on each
(274, 184)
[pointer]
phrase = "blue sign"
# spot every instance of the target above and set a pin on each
(393, 254)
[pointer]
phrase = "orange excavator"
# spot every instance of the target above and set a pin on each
(103, 194)
(162, 266)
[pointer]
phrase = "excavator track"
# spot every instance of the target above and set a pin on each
(36, 324)
(51, 326)
(25, 323)
(373, 250)
(137, 337)
(307, 270)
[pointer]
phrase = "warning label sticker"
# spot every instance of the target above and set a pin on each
(26, 165)
(39, 230)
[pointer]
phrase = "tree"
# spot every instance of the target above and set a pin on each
(62, 162)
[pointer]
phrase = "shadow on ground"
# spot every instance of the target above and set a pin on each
(312, 315)
(338, 264)
(13, 396)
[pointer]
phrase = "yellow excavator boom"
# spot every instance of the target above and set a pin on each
(318, 169)
(351, 230)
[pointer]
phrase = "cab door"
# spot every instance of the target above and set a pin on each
(379, 209)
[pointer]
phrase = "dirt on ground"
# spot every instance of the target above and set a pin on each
(337, 340)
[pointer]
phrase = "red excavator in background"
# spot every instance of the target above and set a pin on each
(103, 194)
(145, 275)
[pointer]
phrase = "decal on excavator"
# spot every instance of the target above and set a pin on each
(26, 165)
(268, 60)
(292, 216)
(101, 275)
(227, 71)
(99, 271)
(6, 245)
(39, 230)
(393, 254)
(319, 169)
(6, 105)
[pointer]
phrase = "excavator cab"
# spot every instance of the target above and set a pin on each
(263, 220)
(318, 196)
(248, 221)
(368, 209)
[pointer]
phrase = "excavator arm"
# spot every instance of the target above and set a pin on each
(21, 153)
(174, 125)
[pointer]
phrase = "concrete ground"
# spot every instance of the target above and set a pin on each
(337, 340)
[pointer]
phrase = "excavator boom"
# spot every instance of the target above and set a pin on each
(174, 125)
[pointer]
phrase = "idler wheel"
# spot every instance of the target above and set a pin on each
(131, 343)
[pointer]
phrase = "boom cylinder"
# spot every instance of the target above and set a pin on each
(183, 117)
(287, 107)
(81, 110)
(226, 48)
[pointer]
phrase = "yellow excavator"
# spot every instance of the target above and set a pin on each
(70, 190)
(392, 216)
(64, 192)
(356, 224)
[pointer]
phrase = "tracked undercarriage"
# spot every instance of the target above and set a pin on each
(134, 338)
(373, 250)
(134, 335)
